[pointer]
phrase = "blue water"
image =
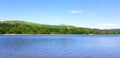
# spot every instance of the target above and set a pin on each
(60, 46)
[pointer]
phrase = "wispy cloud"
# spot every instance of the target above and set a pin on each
(85, 12)
(76, 11)
(108, 26)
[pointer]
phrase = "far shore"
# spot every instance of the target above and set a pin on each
(58, 34)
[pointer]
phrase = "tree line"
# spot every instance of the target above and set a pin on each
(22, 27)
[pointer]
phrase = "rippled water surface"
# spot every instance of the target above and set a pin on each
(60, 46)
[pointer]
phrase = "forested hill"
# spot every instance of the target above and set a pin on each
(22, 27)
(115, 30)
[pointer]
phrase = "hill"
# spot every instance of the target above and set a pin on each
(22, 27)
(115, 30)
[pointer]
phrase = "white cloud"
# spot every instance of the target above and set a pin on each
(85, 12)
(109, 26)
(76, 11)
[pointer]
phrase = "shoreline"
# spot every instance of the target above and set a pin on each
(56, 34)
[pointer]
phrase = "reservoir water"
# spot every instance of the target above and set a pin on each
(60, 46)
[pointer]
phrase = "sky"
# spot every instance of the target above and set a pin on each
(102, 14)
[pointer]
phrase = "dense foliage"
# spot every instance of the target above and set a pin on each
(115, 30)
(22, 27)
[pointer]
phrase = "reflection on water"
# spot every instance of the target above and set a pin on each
(60, 46)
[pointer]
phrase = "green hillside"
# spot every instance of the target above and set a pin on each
(115, 30)
(22, 27)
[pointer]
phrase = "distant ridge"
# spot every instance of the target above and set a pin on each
(23, 27)
(115, 30)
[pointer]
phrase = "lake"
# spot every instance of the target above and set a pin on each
(60, 46)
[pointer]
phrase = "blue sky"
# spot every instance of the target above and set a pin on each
(82, 13)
